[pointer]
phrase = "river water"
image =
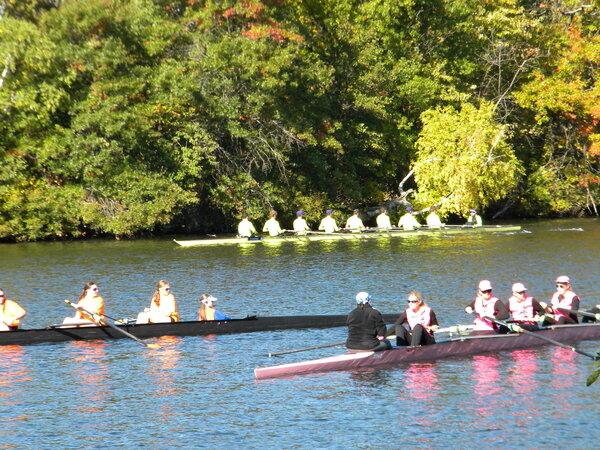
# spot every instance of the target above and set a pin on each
(201, 392)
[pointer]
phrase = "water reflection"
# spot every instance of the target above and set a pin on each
(163, 366)
(15, 370)
(90, 369)
(522, 377)
(421, 381)
(486, 377)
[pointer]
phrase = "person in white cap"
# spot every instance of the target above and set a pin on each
(328, 224)
(366, 328)
(563, 301)
(207, 309)
(474, 219)
(408, 221)
(486, 305)
(523, 307)
(300, 225)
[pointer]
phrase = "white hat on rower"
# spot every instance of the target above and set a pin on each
(485, 285)
(210, 298)
(563, 279)
(518, 287)
(363, 297)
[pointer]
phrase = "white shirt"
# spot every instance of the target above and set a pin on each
(245, 228)
(300, 226)
(433, 221)
(408, 222)
(328, 225)
(272, 226)
(355, 223)
(383, 221)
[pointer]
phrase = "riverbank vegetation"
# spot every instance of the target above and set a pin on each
(123, 117)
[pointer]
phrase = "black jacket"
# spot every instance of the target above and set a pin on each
(365, 323)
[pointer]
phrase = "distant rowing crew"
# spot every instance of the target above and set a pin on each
(354, 223)
(418, 323)
(90, 309)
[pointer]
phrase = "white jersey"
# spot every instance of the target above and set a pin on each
(300, 226)
(408, 222)
(383, 222)
(328, 225)
(272, 227)
(355, 223)
(433, 221)
(245, 228)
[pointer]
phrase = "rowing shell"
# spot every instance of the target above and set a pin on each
(351, 236)
(59, 333)
(459, 346)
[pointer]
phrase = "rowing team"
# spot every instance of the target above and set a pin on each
(418, 323)
(90, 309)
(354, 223)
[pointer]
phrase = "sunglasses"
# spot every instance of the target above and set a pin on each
(95, 289)
(560, 285)
(413, 301)
(487, 291)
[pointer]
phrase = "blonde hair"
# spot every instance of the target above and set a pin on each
(419, 297)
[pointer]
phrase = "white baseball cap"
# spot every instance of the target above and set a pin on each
(563, 279)
(485, 285)
(518, 287)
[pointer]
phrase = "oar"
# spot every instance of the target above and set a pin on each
(581, 313)
(93, 316)
(518, 329)
(455, 329)
(315, 347)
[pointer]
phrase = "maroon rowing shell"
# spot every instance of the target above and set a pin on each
(457, 346)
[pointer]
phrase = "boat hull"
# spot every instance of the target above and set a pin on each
(350, 236)
(190, 328)
(459, 346)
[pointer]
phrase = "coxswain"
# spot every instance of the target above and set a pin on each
(163, 308)
(272, 226)
(486, 305)
(433, 220)
(245, 227)
(93, 305)
(366, 328)
(563, 301)
(523, 308)
(328, 224)
(354, 222)
(383, 220)
(11, 313)
(207, 309)
(300, 225)
(408, 221)
(474, 219)
(421, 322)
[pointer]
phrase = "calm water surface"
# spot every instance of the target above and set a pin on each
(201, 392)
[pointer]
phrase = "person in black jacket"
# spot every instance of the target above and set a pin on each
(366, 328)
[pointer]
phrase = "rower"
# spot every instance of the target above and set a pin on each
(300, 225)
(486, 305)
(383, 220)
(354, 222)
(328, 224)
(408, 221)
(523, 307)
(11, 313)
(421, 321)
(563, 299)
(272, 225)
(92, 303)
(433, 220)
(163, 308)
(245, 227)
(366, 328)
(474, 219)
(207, 309)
